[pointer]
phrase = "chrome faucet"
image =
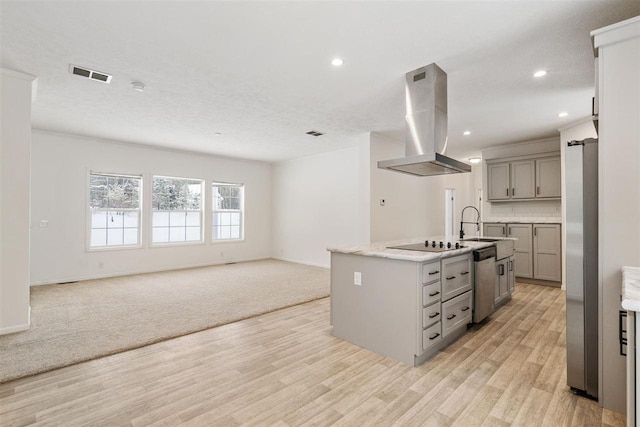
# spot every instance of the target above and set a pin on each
(462, 222)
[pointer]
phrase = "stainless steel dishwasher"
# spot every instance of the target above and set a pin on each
(484, 287)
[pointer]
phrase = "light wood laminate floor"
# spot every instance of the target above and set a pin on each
(285, 368)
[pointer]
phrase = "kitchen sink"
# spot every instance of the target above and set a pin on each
(479, 239)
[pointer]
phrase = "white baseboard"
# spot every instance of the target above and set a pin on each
(297, 261)
(155, 270)
(14, 329)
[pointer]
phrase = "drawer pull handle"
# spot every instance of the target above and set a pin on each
(451, 317)
(463, 273)
(435, 336)
(431, 273)
(433, 294)
(465, 309)
(434, 315)
(450, 278)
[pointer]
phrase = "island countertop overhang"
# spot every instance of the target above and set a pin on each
(381, 250)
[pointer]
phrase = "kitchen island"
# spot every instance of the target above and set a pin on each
(404, 304)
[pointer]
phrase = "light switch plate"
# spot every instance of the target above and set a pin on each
(357, 278)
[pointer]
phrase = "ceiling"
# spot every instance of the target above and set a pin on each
(259, 73)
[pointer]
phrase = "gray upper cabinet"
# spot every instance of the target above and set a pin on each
(523, 248)
(523, 184)
(548, 177)
(546, 252)
(499, 184)
(523, 179)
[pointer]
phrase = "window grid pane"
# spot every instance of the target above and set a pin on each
(177, 210)
(114, 202)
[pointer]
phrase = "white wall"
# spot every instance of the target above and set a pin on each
(619, 190)
(61, 164)
(318, 202)
(15, 145)
(414, 206)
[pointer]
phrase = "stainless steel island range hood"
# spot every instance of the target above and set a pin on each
(426, 126)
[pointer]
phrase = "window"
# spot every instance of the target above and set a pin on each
(227, 200)
(114, 205)
(177, 210)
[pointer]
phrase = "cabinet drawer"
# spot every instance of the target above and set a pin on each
(431, 315)
(430, 293)
(456, 313)
(456, 276)
(431, 336)
(430, 272)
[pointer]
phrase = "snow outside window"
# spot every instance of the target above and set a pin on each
(227, 211)
(114, 205)
(177, 210)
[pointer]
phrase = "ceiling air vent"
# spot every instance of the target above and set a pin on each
(90, 74)
(315, 133)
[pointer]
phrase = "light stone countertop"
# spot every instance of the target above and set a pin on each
(380, 249)
(522, 220)
(631, 288)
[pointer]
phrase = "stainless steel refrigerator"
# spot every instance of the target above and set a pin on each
(581, 177)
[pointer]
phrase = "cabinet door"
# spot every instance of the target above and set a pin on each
(523, 183)
(495, 230)
(502, 284)
(498, 181)
(546, 252)
(523, 248)
(548, 177)
(512, 274)
(504, 278)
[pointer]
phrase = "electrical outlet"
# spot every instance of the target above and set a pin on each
(44, 223)
(221, 254)
(357, 278)
(101, 265)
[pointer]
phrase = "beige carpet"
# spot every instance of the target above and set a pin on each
(81, 321)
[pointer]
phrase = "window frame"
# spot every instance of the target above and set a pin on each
(202, 240)
(89, 217)
(213, 211)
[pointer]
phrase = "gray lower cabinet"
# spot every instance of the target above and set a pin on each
(456, 313)
(431, 305)
(523, 248)
(505, 284)
(456, 276)
(401, 309)
(537, 250)
(547, 259)
(495, 230)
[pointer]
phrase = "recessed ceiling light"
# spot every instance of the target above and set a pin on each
(138, 86)
(217, 134)
(475, 160)
(540, 73)
(466, 132)
(563, 114)
(337, 62)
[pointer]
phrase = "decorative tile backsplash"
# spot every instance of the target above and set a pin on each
(535, 211)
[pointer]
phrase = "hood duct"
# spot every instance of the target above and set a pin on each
(426, 126)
